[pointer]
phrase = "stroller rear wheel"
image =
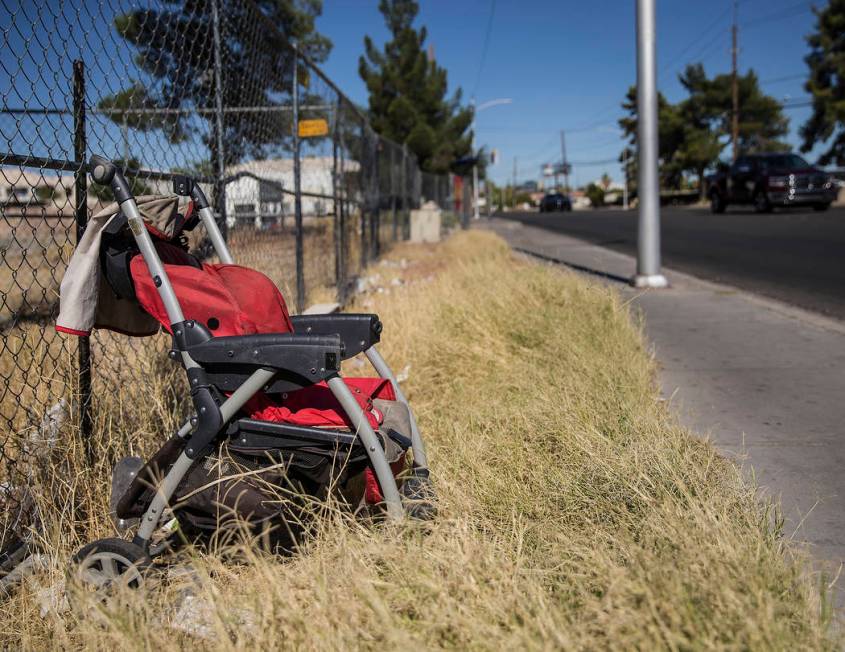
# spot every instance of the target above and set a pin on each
(106, 564)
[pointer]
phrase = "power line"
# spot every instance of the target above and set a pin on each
(512, 130)
(702, 54)
(485, 46)
(607, 161)
(590, 126)
(706, 50)
(595, 126)
(797, 104)
(786, 12)
(775, 80)
(695, 42)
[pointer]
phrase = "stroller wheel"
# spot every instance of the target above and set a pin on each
(418, 496)
(109, 563)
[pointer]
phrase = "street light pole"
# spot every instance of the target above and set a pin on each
(486, 105)
(648, 232)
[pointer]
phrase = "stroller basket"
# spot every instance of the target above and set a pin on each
(266, 387)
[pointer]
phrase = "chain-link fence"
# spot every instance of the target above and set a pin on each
(303, 188)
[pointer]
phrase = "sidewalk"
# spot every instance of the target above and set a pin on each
(764, 381)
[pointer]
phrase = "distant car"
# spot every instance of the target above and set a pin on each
(554, 202)
(769, 180)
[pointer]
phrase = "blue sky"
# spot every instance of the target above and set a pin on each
(568, 64)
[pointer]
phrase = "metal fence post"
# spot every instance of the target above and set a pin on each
(80, 189)
(403, 182)
(297, 189)
(344, 211)
(338, 234)
(365, 187)
(220, 163)
(393, 192)
(648, 236)
(375, 211)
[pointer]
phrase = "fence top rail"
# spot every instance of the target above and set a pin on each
(68, 165)
(166, 111)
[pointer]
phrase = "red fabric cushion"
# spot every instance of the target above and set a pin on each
(316, 405)
(228, 299)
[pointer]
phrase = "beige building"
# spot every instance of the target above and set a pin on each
(264, 196)
(23, 189)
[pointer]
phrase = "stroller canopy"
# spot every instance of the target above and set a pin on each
(228, 299)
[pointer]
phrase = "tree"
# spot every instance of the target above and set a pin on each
(175, 46)
(827, 84)
(670, 135)
(701, 142)
(762, 122)
(694, 131)
(407, 94)
(595, 194)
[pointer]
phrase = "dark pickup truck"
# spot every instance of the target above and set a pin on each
(770, 180)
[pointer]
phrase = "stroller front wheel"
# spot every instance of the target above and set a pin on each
(418, 496)
(106, 564)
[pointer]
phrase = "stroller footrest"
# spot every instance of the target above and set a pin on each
(252, 433)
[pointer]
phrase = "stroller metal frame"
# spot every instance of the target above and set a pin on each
(193, 345)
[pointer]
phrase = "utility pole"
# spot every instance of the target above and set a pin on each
(563, 161)
(648, 228)
(513, 187)
(734, 85)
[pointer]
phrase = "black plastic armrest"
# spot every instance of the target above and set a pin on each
(358, 332)
(310, 357)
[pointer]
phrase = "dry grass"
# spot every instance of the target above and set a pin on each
(574, 511)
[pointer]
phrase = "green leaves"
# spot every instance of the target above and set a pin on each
(826, 84)
(174, 50)
(408, 93)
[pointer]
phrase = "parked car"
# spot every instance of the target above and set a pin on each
(555, 201)
(770, 180)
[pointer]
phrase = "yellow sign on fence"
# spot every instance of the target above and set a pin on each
(312, 128)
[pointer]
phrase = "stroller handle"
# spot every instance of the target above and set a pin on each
(106, 173)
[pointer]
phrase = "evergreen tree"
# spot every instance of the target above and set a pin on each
(670, 135)
(408, 94)
(827, 84)
(702, 142)
(175, 47)
(762, 122)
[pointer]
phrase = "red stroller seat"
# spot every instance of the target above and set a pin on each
(236, 300)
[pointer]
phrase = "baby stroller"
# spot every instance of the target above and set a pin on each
(266, 388)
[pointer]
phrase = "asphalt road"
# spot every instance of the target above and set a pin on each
(792, 255)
